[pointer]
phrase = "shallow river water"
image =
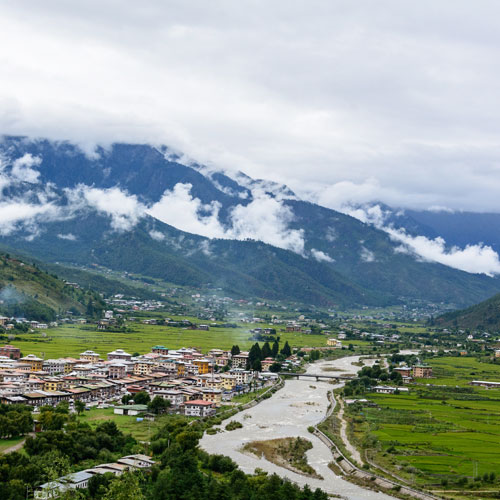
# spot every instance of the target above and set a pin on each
(299, 404)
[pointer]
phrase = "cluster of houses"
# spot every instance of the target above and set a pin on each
(79, 480)
(193, 382)
(8, 323)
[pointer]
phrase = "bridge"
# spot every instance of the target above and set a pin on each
(317, 376)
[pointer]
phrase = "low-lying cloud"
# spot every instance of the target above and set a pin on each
(321, 256)
(124, 209)
(477, 259)
(264, 218)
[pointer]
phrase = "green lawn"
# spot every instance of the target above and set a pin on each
(70, 340)
(142, 431)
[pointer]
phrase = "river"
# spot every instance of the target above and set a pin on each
(291, 410)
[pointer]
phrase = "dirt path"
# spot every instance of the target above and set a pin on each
(343, 434)
(18, 446)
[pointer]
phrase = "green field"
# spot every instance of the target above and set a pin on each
(460, 371)
(71, 340)
(436, 433)
(142, 431)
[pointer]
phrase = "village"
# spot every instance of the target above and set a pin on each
(195, 384)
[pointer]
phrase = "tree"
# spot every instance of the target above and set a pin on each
(257, 365)
(79, 406)
(286, 351)
(275, 367)
(254, 354)
(235, 350)
(275, 349)
(125, 487)
(159, 405)
(266, 351)
(314, 355)
(99, 483)
(142, 398)
(126, 398)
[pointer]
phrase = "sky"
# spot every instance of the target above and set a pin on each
(343, 101)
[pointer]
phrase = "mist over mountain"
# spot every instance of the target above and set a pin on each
(146, 209)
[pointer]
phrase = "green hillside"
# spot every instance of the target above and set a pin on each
(27, 291)
(482, 316)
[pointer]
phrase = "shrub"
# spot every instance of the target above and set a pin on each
(233, 425)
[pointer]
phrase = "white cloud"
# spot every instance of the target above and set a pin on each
(179, 209)
(67, 236)
(14, 213)
(264, 218)
(367, 255)
(124, 209)
(156, 235)
(373, 214)
(321, 256)
(22, 170)
(331, 234)
(480, 259)
(205, 248)
(333, 100)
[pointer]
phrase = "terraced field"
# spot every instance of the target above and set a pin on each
(447, 433)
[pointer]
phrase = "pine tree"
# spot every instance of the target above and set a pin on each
(266, 351)
(276, 349)
(286, 351)
(254, 354)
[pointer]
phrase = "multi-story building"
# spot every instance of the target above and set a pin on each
(91, 356)
(54, 366)
(422, 371)
(117, 370)
(228, 381)
(175, 396)
(119, 355)
(10, 351)
(143, 367)
(240, 360)
(266, 364)
(242, 376)
(334, 343)
(404, 371)
(203, 365)
(199, 408)
(159, 349)
(212, 395)
(53, 384)
(35, 363)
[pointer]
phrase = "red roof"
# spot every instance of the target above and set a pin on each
(199, 402)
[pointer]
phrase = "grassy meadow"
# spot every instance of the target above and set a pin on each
(71, 340)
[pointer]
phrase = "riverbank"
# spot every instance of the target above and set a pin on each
(299, 405)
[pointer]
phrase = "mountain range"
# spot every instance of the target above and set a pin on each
(484, 316)
(147, 210)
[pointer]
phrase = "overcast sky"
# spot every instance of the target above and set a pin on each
(342, 100)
